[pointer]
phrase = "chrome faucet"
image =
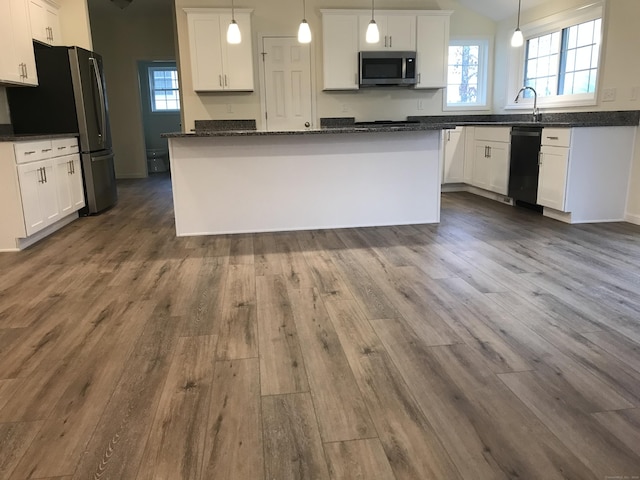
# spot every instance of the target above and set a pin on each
(536, 113)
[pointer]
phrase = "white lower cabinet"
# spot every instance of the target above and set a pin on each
(453, 170)
(39, 195)
(491, 159)
(552, 179)
(40, 186)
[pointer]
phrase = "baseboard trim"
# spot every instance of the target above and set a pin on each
(22, 243)
(632, 218)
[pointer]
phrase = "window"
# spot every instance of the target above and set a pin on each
(564, 62)
(163, 86)
(560, 58)
(467, 74)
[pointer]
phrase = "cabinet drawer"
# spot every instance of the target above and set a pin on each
(493, 134)
(64, 146)
(556, 137)
(30, 151)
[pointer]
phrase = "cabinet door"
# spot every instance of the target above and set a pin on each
(363, 24)
(400, 32)
(237, 60)
(38, 17)
(23, 42)
(10, 70)
(552, 181)
(499, 159)
(53, 24)
(39, 196)
(481, 166)
(453, 156)
(76, 185)
(340, 52)
(205, 51)
(63, 167)
(432, 48)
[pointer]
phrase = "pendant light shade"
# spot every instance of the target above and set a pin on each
(373, 34)
(233, 32)
(517, 39)
(304, 32)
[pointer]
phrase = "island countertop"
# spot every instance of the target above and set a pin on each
(383, 128)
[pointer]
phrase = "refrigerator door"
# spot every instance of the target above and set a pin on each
(91, 105)
(100, 180)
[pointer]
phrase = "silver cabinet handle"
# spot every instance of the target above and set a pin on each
(448, 135)
(553, 138)
(419, 78)
(46, 150)
(225, 81)
(61, 148)
(356, 78)
(220, 79)
(390, 41)
(26, 72)
(30, 152)
(489, 151)
(40, 177)
(44, 170)
(540, 158)
(385, 40)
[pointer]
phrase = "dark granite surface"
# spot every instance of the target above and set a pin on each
(24, 137)
(415, 127)
(572, 119)
(333, 122)
(225, 125)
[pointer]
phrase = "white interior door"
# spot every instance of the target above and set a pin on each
(287, 72)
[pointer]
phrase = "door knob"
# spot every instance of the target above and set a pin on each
(307, 124)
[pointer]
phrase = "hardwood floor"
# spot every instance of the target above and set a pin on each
(496, 345)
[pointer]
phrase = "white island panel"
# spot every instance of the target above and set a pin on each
(241, 184)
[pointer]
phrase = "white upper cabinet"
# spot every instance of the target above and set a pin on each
(432, 49)
(340, 53)
(215, 64)
(397, 32)
(45, 22)
(17, 60)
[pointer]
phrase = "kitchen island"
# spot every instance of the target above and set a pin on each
(245, 181)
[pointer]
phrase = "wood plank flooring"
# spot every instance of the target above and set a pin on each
(496, 345)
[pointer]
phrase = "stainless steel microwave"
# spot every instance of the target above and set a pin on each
(387, 68)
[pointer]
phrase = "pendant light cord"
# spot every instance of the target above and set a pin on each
(519, 4)
(372, 2)
(233, 17)
(304, 9)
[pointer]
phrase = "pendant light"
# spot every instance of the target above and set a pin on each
(517, 39)
(233, 32)
(304, 32)
(373, 34)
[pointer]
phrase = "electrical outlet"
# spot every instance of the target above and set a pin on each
(229, 108)
(608, 95)
(635, 94)
(345, 108)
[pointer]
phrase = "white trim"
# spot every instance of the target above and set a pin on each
(632, 218)
(485, 65)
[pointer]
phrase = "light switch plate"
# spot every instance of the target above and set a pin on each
(608, 95)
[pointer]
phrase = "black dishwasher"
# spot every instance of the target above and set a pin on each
(523, 169)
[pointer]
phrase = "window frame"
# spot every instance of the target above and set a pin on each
(544, 26)
(150, 71)
(484, 68)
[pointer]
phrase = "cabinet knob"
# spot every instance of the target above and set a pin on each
(307, 124)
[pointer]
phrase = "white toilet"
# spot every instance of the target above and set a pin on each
(157, 160)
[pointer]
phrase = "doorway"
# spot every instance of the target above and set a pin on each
(286, 84)
(160, 107)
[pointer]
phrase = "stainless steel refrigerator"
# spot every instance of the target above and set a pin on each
(71, 98)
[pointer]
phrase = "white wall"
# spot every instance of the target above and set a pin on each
(122, 37)
(280, 17)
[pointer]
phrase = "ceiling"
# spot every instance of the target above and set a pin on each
(499, 9)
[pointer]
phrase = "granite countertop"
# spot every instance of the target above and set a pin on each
(408, 127)
(25, 137)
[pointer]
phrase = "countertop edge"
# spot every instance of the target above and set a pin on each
(28, 137)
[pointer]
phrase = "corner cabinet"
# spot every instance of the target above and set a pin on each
(17, 60)
(45, 22)
(432, 47)
(491, 149)
(424, 31)
(41, 189)
(340, 51)
(216, 65)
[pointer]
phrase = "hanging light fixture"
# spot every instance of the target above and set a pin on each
(233, 32)
(373, 34)
(304, 32)
(517, 39)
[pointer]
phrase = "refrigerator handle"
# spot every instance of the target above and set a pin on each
(103, 115)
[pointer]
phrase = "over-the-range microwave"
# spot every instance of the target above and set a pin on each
(387, 68)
